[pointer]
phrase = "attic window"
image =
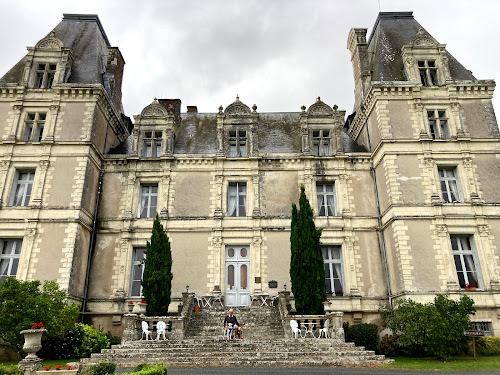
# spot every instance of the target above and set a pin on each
(152, 144)
(237, 143)
(45, 74)
(321, 142)
(428, 72)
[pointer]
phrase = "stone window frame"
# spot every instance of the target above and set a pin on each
(447, 179)
(136, 263)
(461, 252)
(437, 118)
(428, 71)
(144, 183)
(44, 76)
(237, 143)
(330, 262)
(325, 195)
(37, 124)
(155, 140)
(322, 141)
(16, 185)
(16, 246)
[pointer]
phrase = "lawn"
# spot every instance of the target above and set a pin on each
(465, 363)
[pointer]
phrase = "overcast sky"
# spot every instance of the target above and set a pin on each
(278, 54)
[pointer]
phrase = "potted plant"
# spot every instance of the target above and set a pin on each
(470, 287)
(33, 340)
(142, 307)
(130, 306)
(327, 306)
(339, 292)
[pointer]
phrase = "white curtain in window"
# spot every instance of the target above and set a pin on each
(231, 202)
(20, 193)
(454, 191)
(143, 206)
(321, 205)
(4, 265)
(331, 205)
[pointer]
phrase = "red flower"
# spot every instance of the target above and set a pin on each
(36, 325)
(46, 368)
(50, 366)
(143, 301)
(70, 368)
(58, 367)
(130, 302)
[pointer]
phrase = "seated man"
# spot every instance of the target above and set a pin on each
(230, 322)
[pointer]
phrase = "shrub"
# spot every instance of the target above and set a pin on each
(27, 302)
(8, 369)
(102, 368)
(113, 340)
(62, 347)
(364, 334)
(489, 345)
(156, 369)
(140, 366)
(434, 329)
(93, 341)
(389, 346)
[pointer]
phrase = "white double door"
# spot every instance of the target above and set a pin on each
(237, 276)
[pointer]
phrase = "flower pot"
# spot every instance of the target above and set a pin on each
(32, 342)
(327, 306)
(470, 289)
(130, 307)
(142, 307)
(196, 309)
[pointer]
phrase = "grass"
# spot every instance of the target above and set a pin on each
(10, 367)
(465, 363)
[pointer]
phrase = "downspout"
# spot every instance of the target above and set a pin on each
(379, 218)
(93, 233)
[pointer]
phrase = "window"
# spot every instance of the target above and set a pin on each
(237, 199)
(9, 258)
(152, 144)
(428, 72)
(148, 198)
(466, 262)
(438, 123)
(45, 75)
(237, 143)
(326, 199)
(483, 326)
(321, 142)
(449, 185)
(332, 256)
(136, 272)
(33, 126)
(23, 184)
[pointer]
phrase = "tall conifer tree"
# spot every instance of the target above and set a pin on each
(157, 276)
(307, 271)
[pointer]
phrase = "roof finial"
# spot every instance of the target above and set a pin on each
(237, 98)
(155, 99)
(318, 99)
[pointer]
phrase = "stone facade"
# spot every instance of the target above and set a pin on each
(405, 188)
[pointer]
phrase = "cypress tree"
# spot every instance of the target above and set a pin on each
(157, 276)
(307, 271)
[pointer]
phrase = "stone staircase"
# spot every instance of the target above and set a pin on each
(264, 344)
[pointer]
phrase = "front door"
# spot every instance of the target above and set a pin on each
(237, 276)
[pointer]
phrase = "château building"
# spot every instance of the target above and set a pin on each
(405, 187)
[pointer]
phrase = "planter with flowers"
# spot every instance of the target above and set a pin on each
(130, 306)
(33, 340)
(339, 292)
(470, 287)
(142, 307)
(69, 370)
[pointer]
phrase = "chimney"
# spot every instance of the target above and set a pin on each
(192, 109)
(356, 43)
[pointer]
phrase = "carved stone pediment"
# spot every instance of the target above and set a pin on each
(50, 42)
(155, 109)
(320, 109)
(424, 39)
(237, 108)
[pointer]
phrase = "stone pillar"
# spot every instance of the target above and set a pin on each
(36, 200)
(15, 122)
(4, 168)
(256, 191)
(336, 329)
(51, 126)
(131, 331)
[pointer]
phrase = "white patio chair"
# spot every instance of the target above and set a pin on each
(253, 297)
(274, 299)
(295, 329)
(324, 329)
(160, 330)
(145, 330)
(198, 301)
(217, 298)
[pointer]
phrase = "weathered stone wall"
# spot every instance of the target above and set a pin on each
(400, 119)
(192, 194)
(278, 190)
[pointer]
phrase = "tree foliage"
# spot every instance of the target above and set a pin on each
(434, 329)
(307, 271)
(26, 302)
(157, 276)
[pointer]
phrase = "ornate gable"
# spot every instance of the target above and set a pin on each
(320, 109)
(155, 109)
(237, 108)
(50, 42)
(424, 39)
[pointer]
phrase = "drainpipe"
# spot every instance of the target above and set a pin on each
(93, 234)
(379, 218)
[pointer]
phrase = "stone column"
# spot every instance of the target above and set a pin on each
(15, 122)
(51, 126)
(36, 200)
(165, 188)
(256, 200)
(4, 168)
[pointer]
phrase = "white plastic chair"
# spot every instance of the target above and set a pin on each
(229, 332)
(145, 330)
(324, 329)
(273, 300)
(295, 329)
(160, 330)
(253, 297)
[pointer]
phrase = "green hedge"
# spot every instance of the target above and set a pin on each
(156, 369)
(93, 341)
(364, 334)
(489, 345)
(102, 368)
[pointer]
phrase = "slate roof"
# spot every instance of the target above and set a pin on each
(89, 44)
(391, 31)
(277, 132)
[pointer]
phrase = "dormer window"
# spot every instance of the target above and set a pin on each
(321, 142)
(428, 72)
(152, 144)
(33, 127)
(237, 143)
(45, 74)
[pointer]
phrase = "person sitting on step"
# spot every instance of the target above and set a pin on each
(230, 322)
